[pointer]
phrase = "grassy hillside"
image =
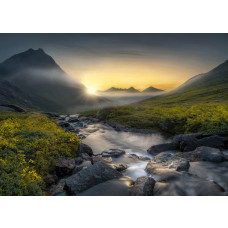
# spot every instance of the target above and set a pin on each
(30, 145)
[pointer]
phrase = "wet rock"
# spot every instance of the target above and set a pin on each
(83, 165)
(99, 158)
(225, 155)
(120, 167)
(183, 165)
(85, 149)
(87, 178)
(202, 153)
(142, 158)
(85, 156)
(59, 189)
(190, 142)
(78, 160)
(65, 166)
(73, 119)
(210, 154)
(143, 186)
(113, 153)
(64, 124)
(162, 148)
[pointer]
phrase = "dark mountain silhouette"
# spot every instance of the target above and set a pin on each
(129, 90)
(34, 80)
(151, 89)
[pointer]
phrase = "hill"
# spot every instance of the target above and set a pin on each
(32, 79)
(151, 89)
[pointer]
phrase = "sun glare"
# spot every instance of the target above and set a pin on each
(91, 90)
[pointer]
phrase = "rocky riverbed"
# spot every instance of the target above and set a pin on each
(114, 160)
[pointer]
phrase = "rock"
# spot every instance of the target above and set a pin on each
(78, 160)
(83, 165)
(225, 155)
(87, 178)
(202, 153)
(183, 165)
(73, 119)
(209, 154)
(85, 149)
(117, 126)
(59, 189)
(99, 158)
(190, 142)
(142, 158)
(86, 157)
(64, 124)
(162, 148)
(166, 166)
(120, 167)
(113, 153)
(65, 166)
(50, 179)
(143, 186)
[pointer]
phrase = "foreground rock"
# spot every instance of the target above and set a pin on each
(113, 153)
(166, 167)
(203, 153)
(87, 178)
(85, 149)
(143, 186)
(65, 166)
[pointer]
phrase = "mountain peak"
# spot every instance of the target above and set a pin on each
(152, 89)
(30, 59)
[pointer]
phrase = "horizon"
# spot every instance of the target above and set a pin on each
(102, 61)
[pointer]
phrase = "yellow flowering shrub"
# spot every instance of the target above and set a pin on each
(30, 145)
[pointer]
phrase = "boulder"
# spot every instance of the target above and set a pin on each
(85, 149)
(63, 124)
(120, 167)
(113, 153)
(65, 166)
(83, 165)
(85, 156)
(143, 186)
(87, 178)
(154, 150)
(59, 189)
(99, 158)
(78, 160)
(225, 155)
(183, 165)
(210, 154)
(190, 142)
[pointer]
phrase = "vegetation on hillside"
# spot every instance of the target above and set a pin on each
(203, 118)
(30, 145)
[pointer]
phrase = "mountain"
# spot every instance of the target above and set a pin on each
(210, 87)
(32, 79)
(151, 89)
(129, 90)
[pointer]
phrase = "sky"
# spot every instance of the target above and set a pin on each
(101, 61)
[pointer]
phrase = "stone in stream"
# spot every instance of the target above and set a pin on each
(65, 166)
(143, 186)
(225, 155)
(154, 150)
(99, 158)
(120, 167)
(85, 149)
(113, 153)
(203, 153)
(87, 178)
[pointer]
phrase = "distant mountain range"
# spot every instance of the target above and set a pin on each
(133, 90)
(32, 79)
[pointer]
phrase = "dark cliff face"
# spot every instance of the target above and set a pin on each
(34, 80)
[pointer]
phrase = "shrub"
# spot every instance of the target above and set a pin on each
(30, 145)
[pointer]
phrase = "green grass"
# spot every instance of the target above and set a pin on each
(30, 145)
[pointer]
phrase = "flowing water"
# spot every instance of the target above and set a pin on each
(101, 137)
